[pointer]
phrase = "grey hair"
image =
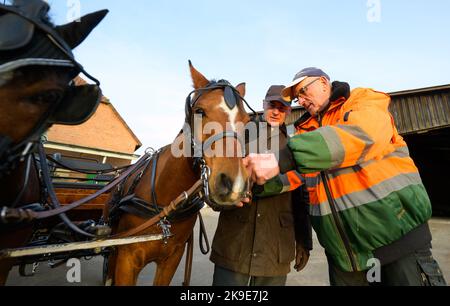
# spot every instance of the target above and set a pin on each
(5, 77)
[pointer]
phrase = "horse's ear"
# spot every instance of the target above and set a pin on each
(241, 89)
(199, 80)
(75, 33)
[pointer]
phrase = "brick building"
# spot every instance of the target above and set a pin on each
(104, 138)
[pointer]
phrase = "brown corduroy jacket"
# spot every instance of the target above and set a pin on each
(260, 239)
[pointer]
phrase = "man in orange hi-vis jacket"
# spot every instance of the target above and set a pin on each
(368, 205)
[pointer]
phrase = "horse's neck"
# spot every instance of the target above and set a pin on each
(12, 184)
(174, 176)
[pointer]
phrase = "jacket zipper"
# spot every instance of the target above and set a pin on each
(336, 218)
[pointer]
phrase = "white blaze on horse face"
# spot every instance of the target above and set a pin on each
(239, 182)
(238, 186)
(232, 114)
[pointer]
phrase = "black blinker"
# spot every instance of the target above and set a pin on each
(230, 97)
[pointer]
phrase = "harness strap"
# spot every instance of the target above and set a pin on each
(165, 212)
(25, 181)
(5, 142)
(203, 237)
(131, 197)
(138, 178)
(99, 172)
(18, 215)
(190, 250)
(52, 194)
(189, 256)
(211, 140)
(154, 166)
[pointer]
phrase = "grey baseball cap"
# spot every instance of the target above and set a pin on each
(274, 94)
(287, 93)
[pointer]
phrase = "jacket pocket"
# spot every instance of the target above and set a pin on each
(286, 219)
(230, 235)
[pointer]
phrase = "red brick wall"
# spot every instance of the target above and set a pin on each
(104, 131)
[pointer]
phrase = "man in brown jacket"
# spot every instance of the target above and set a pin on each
(255, 245)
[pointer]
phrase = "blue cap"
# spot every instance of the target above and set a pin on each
(299, 77)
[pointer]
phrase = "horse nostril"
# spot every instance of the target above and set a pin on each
(225, 184)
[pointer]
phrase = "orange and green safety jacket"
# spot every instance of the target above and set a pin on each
(365, 190)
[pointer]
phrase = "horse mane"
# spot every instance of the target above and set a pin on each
(222, 81)
(47, 19)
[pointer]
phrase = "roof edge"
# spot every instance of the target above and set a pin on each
(420, 90)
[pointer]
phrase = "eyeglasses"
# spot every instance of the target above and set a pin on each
(303, 90)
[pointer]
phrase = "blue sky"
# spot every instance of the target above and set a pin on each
(140, 51)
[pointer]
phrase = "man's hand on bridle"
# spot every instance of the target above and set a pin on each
(244, 202)
(262, 167)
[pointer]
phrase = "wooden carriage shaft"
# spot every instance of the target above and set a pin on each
(76, 246)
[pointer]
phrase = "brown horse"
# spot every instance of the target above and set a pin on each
(228, 182)
(18, 116)
(36, 69)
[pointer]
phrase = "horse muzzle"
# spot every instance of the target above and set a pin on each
(227, 191)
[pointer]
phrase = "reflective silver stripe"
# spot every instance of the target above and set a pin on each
(349, 170)
(312, 182)
(286, 184)
(401, 152)
(334, 145)
(319, 210)
(359, 133)
(11, 66)
(373, 194)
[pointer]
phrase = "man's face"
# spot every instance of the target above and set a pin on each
(275, 112)
(313, 94)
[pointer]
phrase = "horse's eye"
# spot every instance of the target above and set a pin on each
(47, 97)
(199, 111)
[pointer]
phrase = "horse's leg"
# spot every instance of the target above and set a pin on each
(128, 265)
(5, 267)
(165, 270)
(110, 273)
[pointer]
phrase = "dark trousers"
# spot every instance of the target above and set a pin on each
(225, 277)
(417, 269)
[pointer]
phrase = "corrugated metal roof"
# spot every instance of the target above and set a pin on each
(421, 110)
(415, 111)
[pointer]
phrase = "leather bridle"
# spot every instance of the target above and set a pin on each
(232, 98)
